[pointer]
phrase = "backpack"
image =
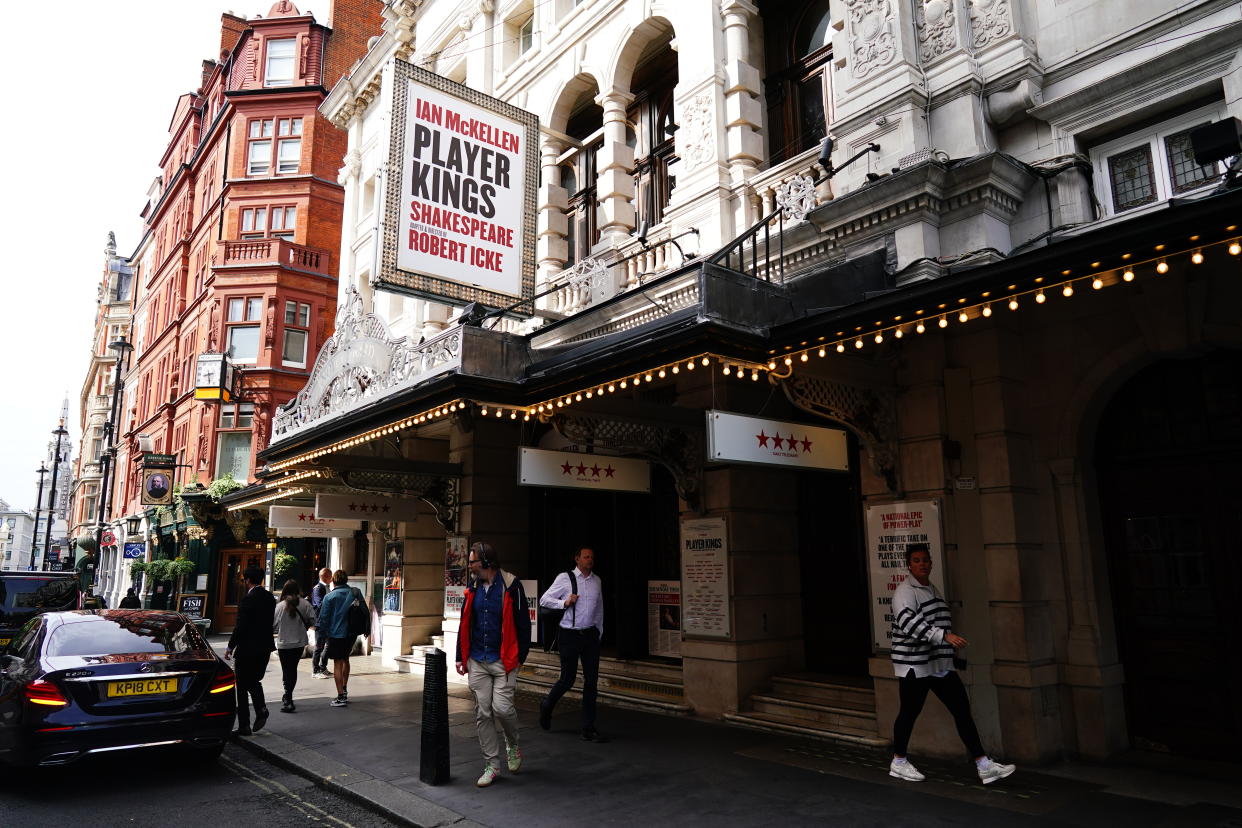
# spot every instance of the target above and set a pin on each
(358, 619)
(552, 617)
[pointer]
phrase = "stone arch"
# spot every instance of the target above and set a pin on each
(566, 101)
(637, 44)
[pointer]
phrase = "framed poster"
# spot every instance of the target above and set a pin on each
(705, 577)
(157, 487)
(890, 528)
(392, 576)
(664, 618)
(456, 554)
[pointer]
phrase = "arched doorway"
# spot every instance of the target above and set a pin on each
(1168, 452)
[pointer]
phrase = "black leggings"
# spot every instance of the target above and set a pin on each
(952, 694)
(289, 669)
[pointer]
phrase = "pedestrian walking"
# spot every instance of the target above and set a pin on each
(294, 617)
(492, 643)
(578, 593)
(319, 661)
(252, 644)
(131, 600)
(924, 656)
(335, 622)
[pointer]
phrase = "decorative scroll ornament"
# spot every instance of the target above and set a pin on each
(936, 23)
(678, 450)
(361, 363)
(699, 131)
(872, 41)
(441, 492)
(870, 413)
(990, 20)
(796, 197)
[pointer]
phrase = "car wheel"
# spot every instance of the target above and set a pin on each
(206, 756)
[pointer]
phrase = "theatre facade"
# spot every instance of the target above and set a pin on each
(747, 368)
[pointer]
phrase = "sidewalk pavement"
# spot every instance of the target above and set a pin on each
(661, 770)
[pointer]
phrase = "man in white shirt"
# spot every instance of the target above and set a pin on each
(582, 625)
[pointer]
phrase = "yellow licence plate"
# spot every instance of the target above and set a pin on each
(142, 687)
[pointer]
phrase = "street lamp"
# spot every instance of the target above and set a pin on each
(132, 524)
(122, 347)
(34, 536)
(60, 433)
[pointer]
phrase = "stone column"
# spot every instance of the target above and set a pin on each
(552, 250)
(479, 32)
(743, 103)
(615, 178)
(348, 179)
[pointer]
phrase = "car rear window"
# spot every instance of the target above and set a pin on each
(124, 633)
(38, 593)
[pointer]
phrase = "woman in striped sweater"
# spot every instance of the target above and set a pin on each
(923, 650)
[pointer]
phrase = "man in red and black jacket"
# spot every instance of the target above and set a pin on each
(492, 643)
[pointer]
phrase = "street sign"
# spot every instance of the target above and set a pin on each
(135, 551)
(151, 460)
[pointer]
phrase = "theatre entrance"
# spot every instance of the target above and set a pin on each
(1168, 451)
(635, 541)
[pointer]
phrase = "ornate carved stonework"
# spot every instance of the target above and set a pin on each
(699, 130)
(796, 197)
(870, 413)
(873, 43)
(990, 20)
(360, 363)
(438, 491)
(678, 450)
(937, 28)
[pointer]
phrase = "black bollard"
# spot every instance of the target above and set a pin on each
(433, 766)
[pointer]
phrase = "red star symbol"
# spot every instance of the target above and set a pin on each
(793, 444)
(374, 507)
(301, 517)
(595, 470)
(353, 507)
(609, 471)
(581, 469)
(778, 440)
(806, 444)
(566, 468)
(762, 437)
(385, 508)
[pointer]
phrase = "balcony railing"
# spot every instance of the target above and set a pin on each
(274, 252)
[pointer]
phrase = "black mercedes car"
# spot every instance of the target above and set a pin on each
(24, 595)
(75, 684)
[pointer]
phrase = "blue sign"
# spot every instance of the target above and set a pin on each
(135, 550)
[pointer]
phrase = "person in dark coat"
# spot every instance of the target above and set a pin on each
(253, 644)
(131, 600)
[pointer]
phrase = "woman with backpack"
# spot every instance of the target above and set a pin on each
(294, 616)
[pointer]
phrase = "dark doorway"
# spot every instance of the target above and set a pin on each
(635, 540)
(835, 619)
(1168, 452)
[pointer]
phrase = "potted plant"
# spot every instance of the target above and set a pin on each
(283, 566)
(180, 569)
(135, 572)
(157, 573)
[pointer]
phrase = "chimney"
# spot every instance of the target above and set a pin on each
(231, 29)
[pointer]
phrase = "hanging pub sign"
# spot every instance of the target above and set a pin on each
(157, 487)
(300, 522)
(573, 470)
(463, 196)
(368, 506)
(734, 438)
(891, 527)
(151, 460)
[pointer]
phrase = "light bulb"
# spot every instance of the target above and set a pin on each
(1235, 249)
(822, 352)
(858, 343)
(483, 411)
(879, 338)
(577, 398)
(788, 361)
(771, 365)
(919, 328)
(1128, 276)
(840, 347)
(1068, 290)
(690, 365)
(661, 375)
(1162, 267)
(589, 395)
(499, 413)
(727, 370)
(962, 317)
(705, 362)
(1013, 304)
(1197, 257)
(944, 323)
(1040, 298)
(803, 357)
(624, 384)
(1097, 283)
(754, 375)
(987, 310)
(898, 333)
(647, 377)
(611, 388)
(676, 369)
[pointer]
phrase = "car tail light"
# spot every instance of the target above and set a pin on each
(44, 692)
(224, 682)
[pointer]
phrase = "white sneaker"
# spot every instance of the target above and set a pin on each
(514, 757)
(488, 777)
(905, 770)
(990, 771)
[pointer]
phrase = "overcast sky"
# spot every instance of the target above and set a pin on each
(91, 89)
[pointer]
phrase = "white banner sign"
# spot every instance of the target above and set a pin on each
(368, 506)
(463, 189)
(531, 588)
(738, 439)
(890, 528)
(571, 470)
(300, 522)
(664, 618)
(705, 577)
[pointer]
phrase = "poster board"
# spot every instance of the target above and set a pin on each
(664, 618)
(192, 605)
(705, 578)
(393, 553)
(890, 527)
(531, 589)
(456, 554)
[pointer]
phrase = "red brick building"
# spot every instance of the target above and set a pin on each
(239, 254)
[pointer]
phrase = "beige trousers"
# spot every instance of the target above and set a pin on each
(493, 706)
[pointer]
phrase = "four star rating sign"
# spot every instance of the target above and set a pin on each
(366, 507)
(576, 470)
(301, 522)
(734, 438)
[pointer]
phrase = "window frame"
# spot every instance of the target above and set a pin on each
(1152, 137)
(783, 85)
(266, 140)
(292, 57)
(300, 314)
